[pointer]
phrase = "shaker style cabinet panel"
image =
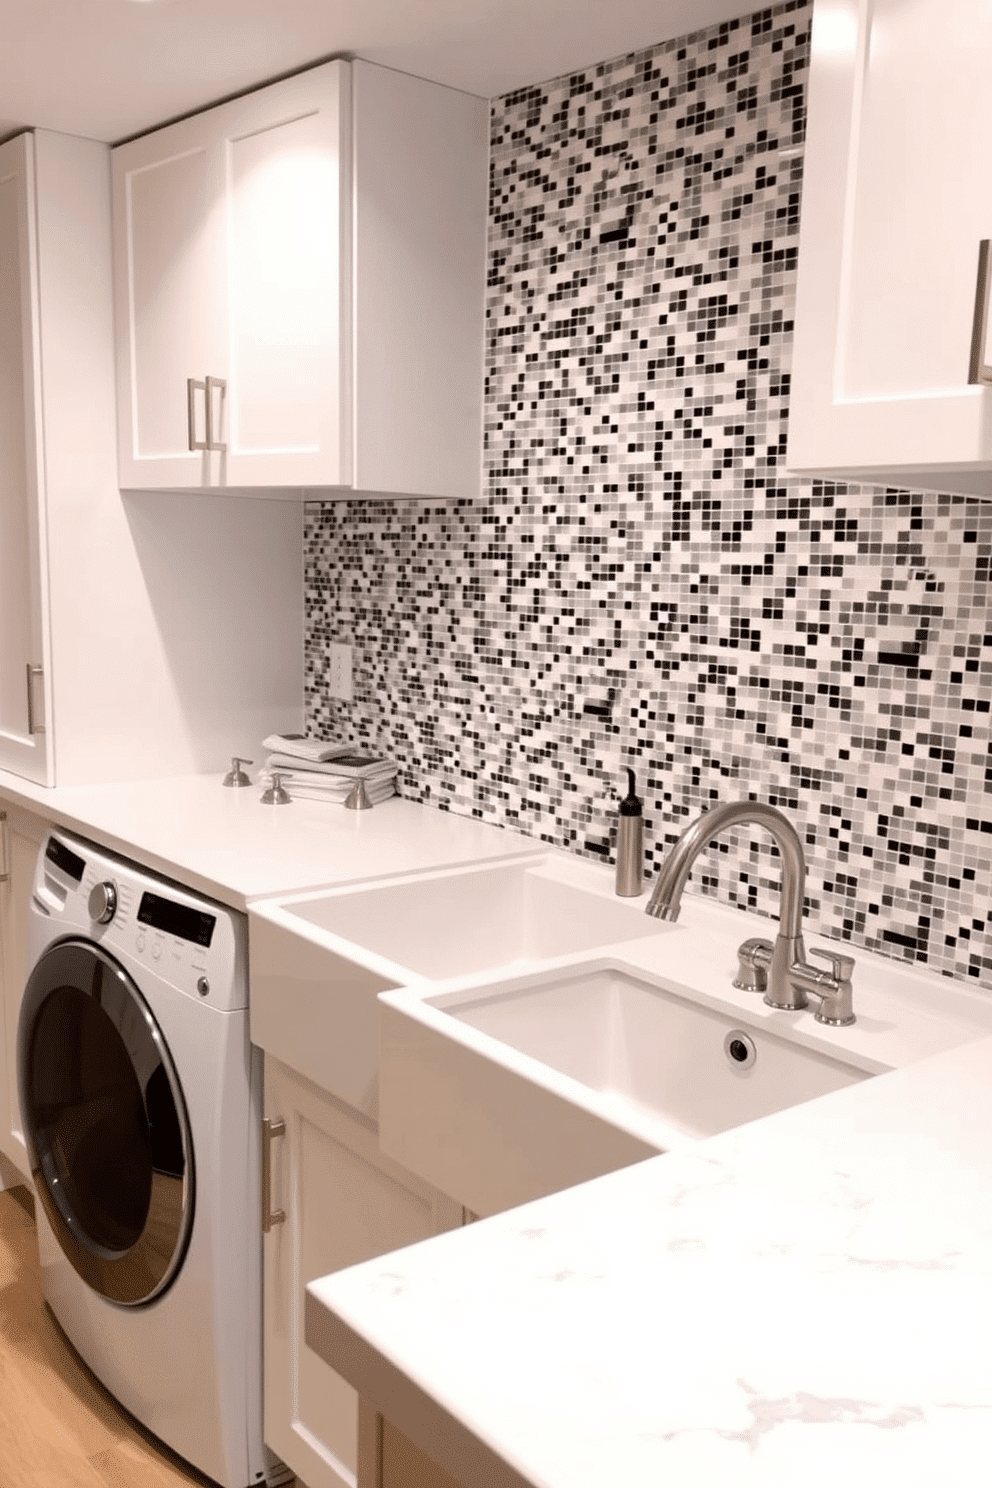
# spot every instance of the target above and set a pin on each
(299, 283)
(389, 1459)
(340, 1201)
(24, 747)
(228, 238)
(897, 198)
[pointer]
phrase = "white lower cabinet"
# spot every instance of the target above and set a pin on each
(21, 836)
(388, 1459)
(342, 1202)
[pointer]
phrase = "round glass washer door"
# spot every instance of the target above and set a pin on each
(105, 1123)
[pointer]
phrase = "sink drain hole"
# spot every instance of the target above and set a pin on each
(739, 1049)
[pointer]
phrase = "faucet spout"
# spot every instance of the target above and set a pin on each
(666, 899)
(781, 970)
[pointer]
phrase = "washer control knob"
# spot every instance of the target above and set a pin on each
(103, 902)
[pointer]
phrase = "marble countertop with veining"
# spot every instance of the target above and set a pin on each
(805, 1300)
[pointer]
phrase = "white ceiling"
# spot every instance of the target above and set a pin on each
(107, 69)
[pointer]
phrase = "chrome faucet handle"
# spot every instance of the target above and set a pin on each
(357, 798)
(834, 994)
(753, 959)
(841, 967)
(235, 775)
(276, 795)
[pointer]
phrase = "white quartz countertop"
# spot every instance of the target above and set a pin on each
(228, 845)
(808, 1295)
(807, 1299)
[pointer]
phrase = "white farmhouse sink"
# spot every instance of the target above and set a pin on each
(464, 921)
(651, 1052)
(319, 959)
(500, 1094)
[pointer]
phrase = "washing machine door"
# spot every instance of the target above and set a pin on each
(105, 1123)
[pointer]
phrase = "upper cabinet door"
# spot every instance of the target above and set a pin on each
(25, 746)
(897, 198)
(287, 195)
(231, 273)
(170, 296)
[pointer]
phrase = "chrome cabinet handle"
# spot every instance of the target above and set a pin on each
(270, 1130)
(192, 388)
(980, 371)
(5, 875)
(206, 387)
(30, 673)
(220, 383)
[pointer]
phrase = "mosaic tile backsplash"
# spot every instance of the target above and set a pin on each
(642, 582)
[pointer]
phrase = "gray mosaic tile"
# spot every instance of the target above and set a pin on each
(643, 582)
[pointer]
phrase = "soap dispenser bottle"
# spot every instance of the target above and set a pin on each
(630, 842)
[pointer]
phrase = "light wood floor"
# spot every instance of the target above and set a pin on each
(59, 1428)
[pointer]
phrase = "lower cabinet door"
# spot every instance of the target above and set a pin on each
(388, 1459)
(343, 1203)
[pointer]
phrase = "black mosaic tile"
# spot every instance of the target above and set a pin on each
(642, 581)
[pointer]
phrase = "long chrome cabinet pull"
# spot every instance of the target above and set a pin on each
(206, 387)
(270, 1130)
(980, 371)
(220, 383)
(192, 388)
(4, 859)
(30, 673)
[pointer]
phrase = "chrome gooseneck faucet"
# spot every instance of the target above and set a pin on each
(780, 971)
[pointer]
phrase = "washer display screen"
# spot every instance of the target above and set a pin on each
(63, 857)
(176, 919)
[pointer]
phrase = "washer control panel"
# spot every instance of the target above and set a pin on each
(102, 903)
(196, 945)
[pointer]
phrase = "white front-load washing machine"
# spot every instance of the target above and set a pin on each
(140, 1100)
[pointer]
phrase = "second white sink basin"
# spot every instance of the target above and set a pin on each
(686, 1070)
(502, 1094)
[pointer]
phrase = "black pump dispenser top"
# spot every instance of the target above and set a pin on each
(630, 805)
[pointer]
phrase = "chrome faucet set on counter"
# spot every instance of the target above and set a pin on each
(318, 770)
(780, 970)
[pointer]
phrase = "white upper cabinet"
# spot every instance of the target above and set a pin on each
(25, 747)
(897, 199)
(229, 237)
(299, 283)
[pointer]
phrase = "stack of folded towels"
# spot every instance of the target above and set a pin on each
(317, 770)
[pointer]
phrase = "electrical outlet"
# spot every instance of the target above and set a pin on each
(340, 674)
